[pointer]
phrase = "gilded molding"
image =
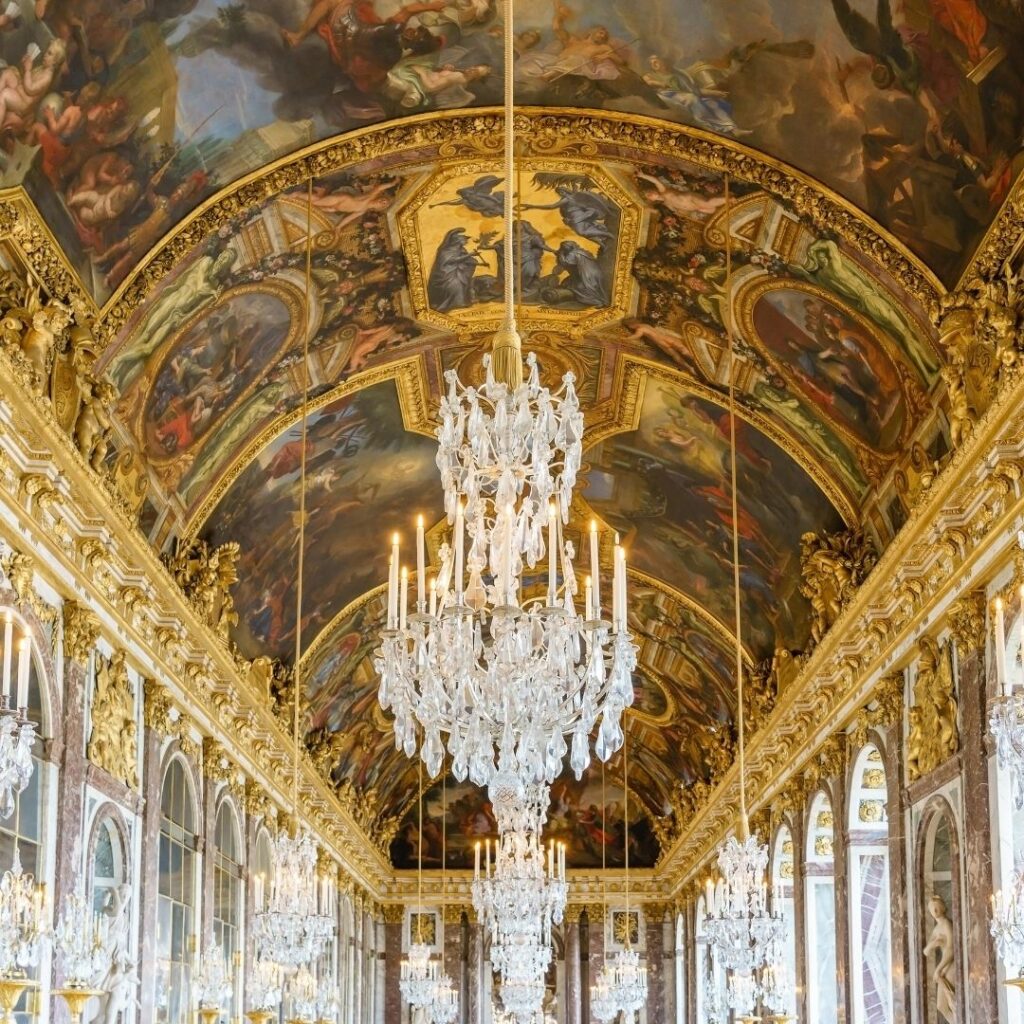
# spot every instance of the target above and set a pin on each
(81, 631)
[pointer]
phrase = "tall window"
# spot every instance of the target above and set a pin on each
(871, 973)
(107, 865)
(227, 889)
(823, 995)
(176, 896)
(782, 883)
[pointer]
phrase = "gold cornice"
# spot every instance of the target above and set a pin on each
(471, 132)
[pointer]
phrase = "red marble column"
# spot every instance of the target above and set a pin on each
(392, 969)
(972, 690)
(797, 828)
(655, 942)
(841, 872)
(149, 880)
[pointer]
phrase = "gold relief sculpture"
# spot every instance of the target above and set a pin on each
(325, 747)
(423, 928)
(255, 799)
(205, 576)
(112, 737)
(934, 735)
(626, 927)
(967, 622)
(20, 569)
(824, 819)
(81, 630)
(874, 778)
(832, 567)
(186, 742)
(393, 913)
(156, 708)
(217, 766)
(823, 846)
(979, 328)
(871, 811)
(832, 756)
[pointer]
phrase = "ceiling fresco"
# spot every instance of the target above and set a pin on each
(120, 118)
(623, 259)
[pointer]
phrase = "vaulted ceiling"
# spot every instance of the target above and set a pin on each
(848, 155)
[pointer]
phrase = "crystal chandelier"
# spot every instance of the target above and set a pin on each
(211, 985)
(489, 666)
(302, 991)
(523, 998)
(603, 1005)
(628, 975)
(444, 1007)
(1006, 710)
(776, 988)
(23, 919)
(17, 733)
(739, 924)
(327, 1002)
(419, 975)
(291, 930)
(80, 940)
(1008, 924)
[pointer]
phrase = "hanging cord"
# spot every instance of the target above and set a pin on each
(419, 858)
(625, 815)
(302, 505)
(506, 352)
(744, 824)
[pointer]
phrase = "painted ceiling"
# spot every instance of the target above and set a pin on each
(624, 264)
(120, 118)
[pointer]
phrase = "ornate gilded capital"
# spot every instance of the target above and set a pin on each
(19, 570)
(81, 631)
(595, 913)
(393, 913)
(832, 756)
(654, 913)
(326, 865)
(572, 913)
(217, 766)
(156, 708)
(888, 697)
(186, 744)
(967, 622)
(255, 799)
(452, 913)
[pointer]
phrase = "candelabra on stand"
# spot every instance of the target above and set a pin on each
(1006, 709)
(17, 733)
(23, 926)
(264, 989)
(327, 1001)
(212, 985)
(80, 938)
(603, 1006)
(1008, 928)
(302, 995)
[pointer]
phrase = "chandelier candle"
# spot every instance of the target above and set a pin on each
(8, 647)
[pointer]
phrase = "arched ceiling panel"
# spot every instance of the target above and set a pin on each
(137, 113)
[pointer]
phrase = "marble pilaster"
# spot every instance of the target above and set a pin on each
(573, 1000)
(798, 830)
(841, 870)
(149, 881)
(392, 969)
(979, 959)
(73, 768)
(655, 971)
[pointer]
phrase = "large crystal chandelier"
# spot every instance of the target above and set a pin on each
(80, 938)
(1008, 925)
(740, 924)
(264, 988)
(1006, 709)
(489, 666)
(23, 919)
(293, 929)
(17, 733)
(444, 1004)
(603, 1005)
(211, 985)
(302, 992)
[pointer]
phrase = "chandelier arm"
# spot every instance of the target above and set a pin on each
(625, 813)
(744, 824)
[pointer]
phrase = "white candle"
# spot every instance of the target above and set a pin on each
(459, 549)
(588, 601)
(595, 568)
(421, 562)
(433, 597)
(709, 897)
(476, 860)
(622, 588)
(552, 559)
(403, 599)
(23, 655)
(8, 648)
(615, 586)
(505, 591)
(1000, 648)
(393, 584)
(487, 852)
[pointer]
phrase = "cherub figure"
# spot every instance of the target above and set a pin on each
(21, 91)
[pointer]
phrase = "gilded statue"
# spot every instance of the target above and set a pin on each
(979, 327)
(94, 425)
(112, 739)
(943, 975)
(206, 576)
(47, 321)
(832, 567)
(934, 734)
